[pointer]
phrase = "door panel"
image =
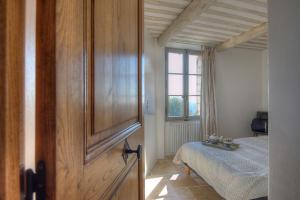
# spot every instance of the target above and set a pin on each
(97, 104)
(129, 184)
(114, 64)
(112, 72)
(101, 184)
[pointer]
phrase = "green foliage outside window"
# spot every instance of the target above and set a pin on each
(175, 106)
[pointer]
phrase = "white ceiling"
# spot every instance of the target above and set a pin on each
(220, 22)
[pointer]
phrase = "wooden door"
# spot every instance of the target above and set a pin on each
(11, 98)
(89, 97)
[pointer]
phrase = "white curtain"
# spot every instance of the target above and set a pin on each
(208, 98)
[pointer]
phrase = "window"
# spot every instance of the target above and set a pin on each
(183, 81)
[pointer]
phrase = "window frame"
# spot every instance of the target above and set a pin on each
(186, 53)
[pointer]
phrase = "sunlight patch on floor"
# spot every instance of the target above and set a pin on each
(174, 177)
(164, 192)
(167, 181)
(151, 184)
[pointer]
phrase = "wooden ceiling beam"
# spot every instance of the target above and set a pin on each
(244, 37)
(189, 14)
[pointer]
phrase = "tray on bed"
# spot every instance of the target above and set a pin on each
(220, 145)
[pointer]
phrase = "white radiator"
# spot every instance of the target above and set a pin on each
(178, 133)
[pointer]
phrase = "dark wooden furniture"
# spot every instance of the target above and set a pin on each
(259, 125)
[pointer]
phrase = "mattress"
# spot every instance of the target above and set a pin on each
(236, 175)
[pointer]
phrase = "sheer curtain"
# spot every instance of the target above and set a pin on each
(208, 98)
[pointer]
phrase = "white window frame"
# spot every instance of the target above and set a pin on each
(186, 53)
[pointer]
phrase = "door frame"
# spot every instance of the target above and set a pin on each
(45, 91)
(12, 43)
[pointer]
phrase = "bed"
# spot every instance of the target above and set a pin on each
(236, 175)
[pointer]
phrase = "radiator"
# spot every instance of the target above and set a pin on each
(178, 133)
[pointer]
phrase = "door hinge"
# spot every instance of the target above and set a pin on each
(36, 182)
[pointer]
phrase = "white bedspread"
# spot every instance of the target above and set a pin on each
(235, 175)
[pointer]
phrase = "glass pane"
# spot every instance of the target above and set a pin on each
(175, 84)
(194, 105)
(175, 62)
(193, 67)
(194, 85)
(175, 108)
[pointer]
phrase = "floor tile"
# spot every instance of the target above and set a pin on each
(166, 181)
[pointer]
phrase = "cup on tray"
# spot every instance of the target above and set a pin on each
(213, 139)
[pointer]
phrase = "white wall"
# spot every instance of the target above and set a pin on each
(284, 139)
(265, 80)
(240, 90)
(152, 56)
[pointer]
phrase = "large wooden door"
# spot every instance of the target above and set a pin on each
(11, 98)
(89, 98)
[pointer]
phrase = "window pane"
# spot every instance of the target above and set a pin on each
(194, 85)
(175, 84)
(193, 67)
(194, 105)
(175, 108)
(175, 61)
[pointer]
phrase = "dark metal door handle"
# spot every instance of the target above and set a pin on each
(137, 151)
(36, 182)
(127, 150)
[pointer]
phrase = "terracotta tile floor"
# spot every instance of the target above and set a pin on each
(167, 181)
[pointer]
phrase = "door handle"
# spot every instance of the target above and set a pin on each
(138, 151)
(127, 150)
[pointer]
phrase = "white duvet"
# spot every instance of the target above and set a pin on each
(236, 175)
